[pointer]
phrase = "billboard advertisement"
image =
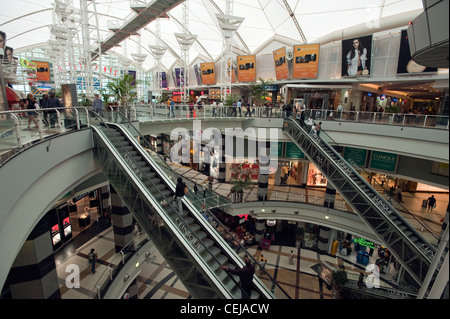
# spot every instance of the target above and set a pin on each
(281, 66)
(208, 73)
(42, 70)
(246, 68)
(405, 62)
(306, 61)
(356, 54)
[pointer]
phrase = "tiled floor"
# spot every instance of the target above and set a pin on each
(158, 281)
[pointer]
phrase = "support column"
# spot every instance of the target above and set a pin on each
(323, 238)
(263, 177)
(122, 221)
(304, 180)
(259, 229)
(132, 291)
(159, 144)
(222, 164)
(330, 196)
(33, 273)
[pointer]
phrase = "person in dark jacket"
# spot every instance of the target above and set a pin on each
(179, 193)
(245, 275)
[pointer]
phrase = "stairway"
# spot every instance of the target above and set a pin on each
(407, 245)
(187, 241)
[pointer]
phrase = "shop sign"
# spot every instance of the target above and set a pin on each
(356, 156)
(364, 242)
(293, 151)
(276, 149)
(383, 161)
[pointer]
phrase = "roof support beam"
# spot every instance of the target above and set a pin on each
(297, 25)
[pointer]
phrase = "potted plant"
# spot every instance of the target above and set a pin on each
(300, 233)
(241, 182)
(338, 279)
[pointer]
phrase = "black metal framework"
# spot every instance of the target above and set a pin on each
(408, 246)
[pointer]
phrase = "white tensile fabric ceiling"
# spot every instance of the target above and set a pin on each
(27, 22)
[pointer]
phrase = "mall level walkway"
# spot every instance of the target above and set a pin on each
(158, 281)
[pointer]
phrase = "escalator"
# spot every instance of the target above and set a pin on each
(409, 247)
(189, 244)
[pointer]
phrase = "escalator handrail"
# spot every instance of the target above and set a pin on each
(239, 262)
(169, 202)
(365, 195)
(382, 187)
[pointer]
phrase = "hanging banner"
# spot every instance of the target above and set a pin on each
(356, 55)
(208, 73)
(306, 61)
(383, 161)
(42, 71)
(405, 63)
(246, 68)
(293, 151)
(355, 156)
(281, 66)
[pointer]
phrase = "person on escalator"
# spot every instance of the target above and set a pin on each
(246, 276)
(180, 190)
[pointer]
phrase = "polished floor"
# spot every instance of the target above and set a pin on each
(158, 281)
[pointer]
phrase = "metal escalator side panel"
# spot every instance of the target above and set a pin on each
(212, 233)
(162, 229)
(413, 257)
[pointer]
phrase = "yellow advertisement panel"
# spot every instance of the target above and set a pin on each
(208, 73)
(246, 68)
(42, 71)
(306, 61)
(281, 66)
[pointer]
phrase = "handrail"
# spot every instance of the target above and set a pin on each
(385, 191)
(144, 178)
(206, 209)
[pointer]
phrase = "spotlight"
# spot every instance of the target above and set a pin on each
(296, 212)
(251, 211)
(274, 210)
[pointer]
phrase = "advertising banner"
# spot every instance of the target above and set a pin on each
(356, 55)
(306, 61)
(355, 156)
(383, 161)
(42, 70)
(208, 73)
(281, 66)
(405, 62)
(293, 151)
(246, 68)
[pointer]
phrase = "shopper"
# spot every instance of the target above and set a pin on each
(431, 203)
(98, 105)
(30, 104)
(44, 104)
(246, 276)
(92, 256)
(291, 258)
(53, 102)
(180, 191)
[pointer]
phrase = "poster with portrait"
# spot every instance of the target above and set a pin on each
(306, 61)
(405, 63)
(208, 73)
(2, 43)
(281, 66)
(246, 68)
(356, 56)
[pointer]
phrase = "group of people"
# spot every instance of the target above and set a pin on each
(47, 102)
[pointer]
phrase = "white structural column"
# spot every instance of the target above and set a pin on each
(185, 40)
(158, 51)
(229, 25)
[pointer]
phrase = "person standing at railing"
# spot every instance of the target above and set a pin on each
(30, 104)
(53, 102)
(44, 104)
(98, 105)
(431, 203)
